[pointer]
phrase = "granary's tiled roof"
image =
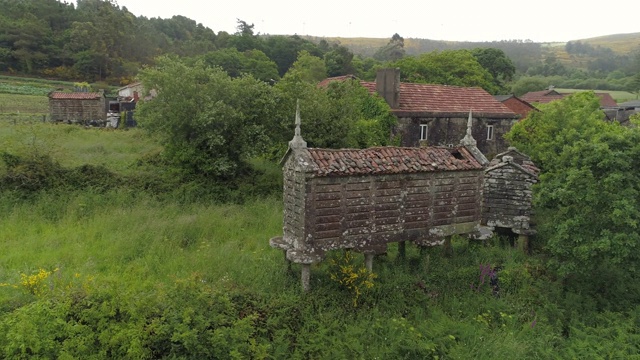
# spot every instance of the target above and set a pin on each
(434, 99)
(58, 95)
(390, 160)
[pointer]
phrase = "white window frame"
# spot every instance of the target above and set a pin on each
(424, 132)
(490, 133)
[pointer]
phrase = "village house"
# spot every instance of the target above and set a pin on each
(623, 112)
(549, 95)
(130, 92)
(436, 115)
(516, 104)
(77, 107)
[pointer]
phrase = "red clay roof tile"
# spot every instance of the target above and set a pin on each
(445, 99)
(58, 95)
(390, 160)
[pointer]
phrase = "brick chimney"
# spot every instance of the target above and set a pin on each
(388, 86)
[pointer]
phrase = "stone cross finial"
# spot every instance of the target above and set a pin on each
(468, 138)
(297, 142)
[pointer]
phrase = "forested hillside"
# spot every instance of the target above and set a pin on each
(97, 40)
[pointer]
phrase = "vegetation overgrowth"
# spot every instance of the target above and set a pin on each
(120, 270)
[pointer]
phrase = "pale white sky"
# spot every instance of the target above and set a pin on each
(462, 20)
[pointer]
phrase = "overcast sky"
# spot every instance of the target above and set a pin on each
(462, 20)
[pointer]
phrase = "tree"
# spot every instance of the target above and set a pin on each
(237, 63)
(451, 67)
(393, 51)
(244, 38)
(588, 198)
(209, 123)
(497, 63)
(339, 61)
(310, 68)
(285, 50)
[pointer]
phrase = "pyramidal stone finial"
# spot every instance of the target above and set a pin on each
(297, 142)
(468, 138)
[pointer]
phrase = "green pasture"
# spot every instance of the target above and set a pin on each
(17, 104)
(127, 272)
(73, 145)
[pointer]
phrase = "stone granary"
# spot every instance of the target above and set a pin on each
(507, 197)
(77, 107)
(363, 199)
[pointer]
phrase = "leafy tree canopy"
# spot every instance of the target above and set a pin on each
(588, 198)
(497, 63)
(237, 63)
(209, 122)
(451, 67)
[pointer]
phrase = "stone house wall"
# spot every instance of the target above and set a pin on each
(447, 131)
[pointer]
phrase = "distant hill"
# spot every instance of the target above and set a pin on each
(619, 43)
(523, 53)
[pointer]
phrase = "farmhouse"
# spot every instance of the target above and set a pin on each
(130, 92)
(77, 107)
(516, 104)
(435, 115)
(549, 95)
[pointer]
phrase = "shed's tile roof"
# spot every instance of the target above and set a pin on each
(58, 95)
(445, 99)
(390, 160)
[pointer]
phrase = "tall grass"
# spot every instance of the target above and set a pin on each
(132, 238)
(12, 104)
(73, 145)
(124, 273)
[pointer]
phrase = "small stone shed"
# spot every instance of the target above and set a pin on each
(508, 183)
(77, 107)
(363, 199)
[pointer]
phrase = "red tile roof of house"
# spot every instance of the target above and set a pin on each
(431, 99)
(606, 100)
(390, 160)
(542, 97)
(58, 95)
(547, 96)
(439, 100)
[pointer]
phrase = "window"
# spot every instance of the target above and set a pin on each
(424, 131)
(489, 132)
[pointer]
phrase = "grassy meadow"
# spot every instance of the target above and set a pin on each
(152, 267)
(124, 273)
